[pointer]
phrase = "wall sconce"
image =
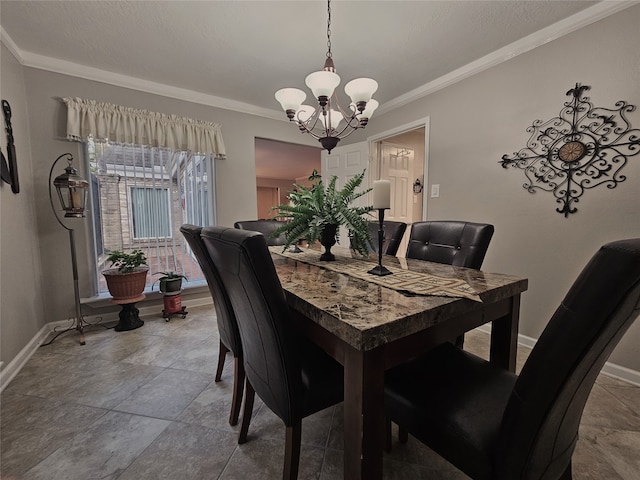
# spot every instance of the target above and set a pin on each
(417, 186)
(72, 193)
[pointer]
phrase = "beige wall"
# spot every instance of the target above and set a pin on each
(21, 302)
(34, 246)
(473, 123)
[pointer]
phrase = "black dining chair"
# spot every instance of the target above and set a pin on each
(453, 242)
(393, 233)
(227, 325)
(493, 424)
(292, 376)
(265, 227)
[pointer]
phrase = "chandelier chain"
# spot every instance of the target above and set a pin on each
(329, 54)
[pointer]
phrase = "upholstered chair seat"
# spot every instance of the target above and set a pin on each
(293, 377)
(495, 425)
(458, 243)
(227, 325)
(265, 227)
(393, 233)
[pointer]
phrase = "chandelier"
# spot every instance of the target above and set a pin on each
(328, 122)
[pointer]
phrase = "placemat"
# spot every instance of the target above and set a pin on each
(416, 283)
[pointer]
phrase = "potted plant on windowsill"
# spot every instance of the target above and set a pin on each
(127, 277)
(316, 213)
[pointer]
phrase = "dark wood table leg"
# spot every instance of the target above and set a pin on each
(504, 337)
(364, 426)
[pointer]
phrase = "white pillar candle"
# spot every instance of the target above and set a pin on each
(381, 194)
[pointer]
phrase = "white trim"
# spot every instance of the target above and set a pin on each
(15, 365)
(407, 127)
(570, 24)
(11, 45)
(609, 369)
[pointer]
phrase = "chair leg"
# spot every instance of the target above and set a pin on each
(387, 436)
(292, 452)
(403, 434)
(238, 388)
(249, 396)
(459, 341)
(221, 357)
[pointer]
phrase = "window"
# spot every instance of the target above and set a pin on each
(140, 197)
(150, 213)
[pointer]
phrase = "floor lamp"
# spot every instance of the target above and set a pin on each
(72, 192)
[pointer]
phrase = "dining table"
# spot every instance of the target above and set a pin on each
(371, 323)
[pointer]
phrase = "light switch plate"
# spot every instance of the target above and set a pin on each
(435, 190)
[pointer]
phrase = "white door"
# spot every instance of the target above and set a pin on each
(397, 166)
(346, 162)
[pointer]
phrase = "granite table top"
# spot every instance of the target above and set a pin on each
(365, 314)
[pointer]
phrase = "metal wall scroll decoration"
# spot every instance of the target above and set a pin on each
(582, 148)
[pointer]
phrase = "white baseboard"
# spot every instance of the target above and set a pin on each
(14, 366)
(609, 369)
(19, 361)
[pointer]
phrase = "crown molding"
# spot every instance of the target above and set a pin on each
(11, 45)
(570, 24)
(56, 65)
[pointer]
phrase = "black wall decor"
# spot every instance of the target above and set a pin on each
(582, 148)
(9, 171)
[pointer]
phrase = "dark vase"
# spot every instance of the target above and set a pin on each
(328, 240)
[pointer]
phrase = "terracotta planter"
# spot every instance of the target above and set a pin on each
(126, 287)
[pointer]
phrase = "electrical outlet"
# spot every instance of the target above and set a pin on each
(435, 190)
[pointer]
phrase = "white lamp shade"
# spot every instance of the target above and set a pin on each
(361, 89)
(369, 109)
(290, 98)
(304, 112)
(336, 118)
(322, 83)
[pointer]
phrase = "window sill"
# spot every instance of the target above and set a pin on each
(193, 289)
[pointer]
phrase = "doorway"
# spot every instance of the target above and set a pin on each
(401, 156)
(278, 166)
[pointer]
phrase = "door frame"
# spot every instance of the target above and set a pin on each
(422, 122)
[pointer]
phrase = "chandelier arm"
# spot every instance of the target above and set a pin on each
(340, 136)
(313, 120)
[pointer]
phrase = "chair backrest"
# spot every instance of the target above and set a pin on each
(265, 227)
(393, 233)
(227, 324)
(540, 424)
(271, 360)
(458, 243)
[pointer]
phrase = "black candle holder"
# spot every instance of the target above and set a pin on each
(379, 269)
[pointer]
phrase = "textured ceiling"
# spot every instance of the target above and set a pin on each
(236, 54)
(246, 50)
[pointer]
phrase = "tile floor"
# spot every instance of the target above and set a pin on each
(143, 405)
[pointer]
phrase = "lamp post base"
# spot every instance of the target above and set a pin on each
(380, 270)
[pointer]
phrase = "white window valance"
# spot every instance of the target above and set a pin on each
(130, 125)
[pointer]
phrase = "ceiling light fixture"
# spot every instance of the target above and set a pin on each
(323, 122)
